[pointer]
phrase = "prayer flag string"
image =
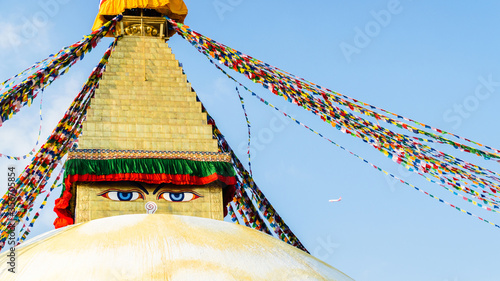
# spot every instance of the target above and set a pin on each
(483, 206)
(37, 140)
(23, 235)
(15, 204)
(255, 209)
(249, 131)
(19, 94)
(388, 173)
(369, 163)
(411, 151)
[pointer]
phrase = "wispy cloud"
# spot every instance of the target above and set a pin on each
(10, 36)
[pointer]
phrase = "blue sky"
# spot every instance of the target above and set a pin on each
(421, 59)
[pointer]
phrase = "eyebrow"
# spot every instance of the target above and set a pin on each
(137, 184)
(158, 188)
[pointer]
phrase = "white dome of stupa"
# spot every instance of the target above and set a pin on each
(162, 247)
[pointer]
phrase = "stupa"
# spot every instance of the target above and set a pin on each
(145, 190)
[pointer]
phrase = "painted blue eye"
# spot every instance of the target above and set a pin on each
(122, 195)
(176, 197)
(179, 196)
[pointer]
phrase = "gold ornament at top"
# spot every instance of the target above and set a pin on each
(141, 25)
(141, 30)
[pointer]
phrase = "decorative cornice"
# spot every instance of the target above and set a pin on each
(107, 154)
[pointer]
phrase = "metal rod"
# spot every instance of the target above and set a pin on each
(142, 22)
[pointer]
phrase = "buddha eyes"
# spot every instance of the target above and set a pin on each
(132, 195)
(178, 196)
(122, 195)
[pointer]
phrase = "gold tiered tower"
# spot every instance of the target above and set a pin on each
(145, 109)
(144, 102)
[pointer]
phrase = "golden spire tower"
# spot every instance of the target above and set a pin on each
(145, 139)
